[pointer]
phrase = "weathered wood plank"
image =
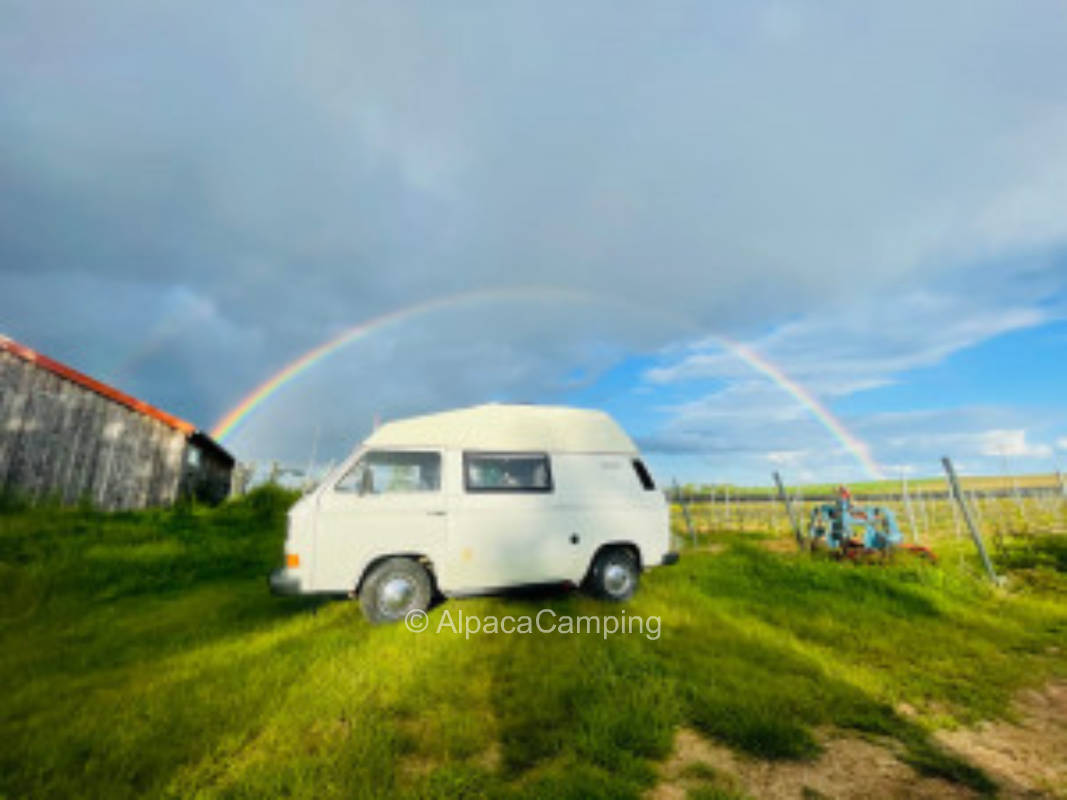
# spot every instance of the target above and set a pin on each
(61, 439)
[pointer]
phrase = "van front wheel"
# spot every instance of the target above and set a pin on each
(393, 589)
(614, 575)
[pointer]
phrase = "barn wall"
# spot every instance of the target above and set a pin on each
(61, 440)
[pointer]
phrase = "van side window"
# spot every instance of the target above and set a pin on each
(384, 471)
(644, 476)
(506, 472)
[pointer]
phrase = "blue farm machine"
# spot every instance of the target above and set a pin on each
(853, 531)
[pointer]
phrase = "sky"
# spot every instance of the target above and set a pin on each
(555, 203)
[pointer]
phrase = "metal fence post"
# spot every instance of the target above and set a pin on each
(907, 507)
(953, 494)
(789, 509)
(971, 526)
(685, 513)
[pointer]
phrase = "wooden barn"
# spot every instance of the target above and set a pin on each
(66, 436)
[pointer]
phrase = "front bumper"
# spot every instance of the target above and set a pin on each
(670, 558)
(282, 581)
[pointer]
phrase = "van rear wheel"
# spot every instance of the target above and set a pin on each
(395, 588)
(614, 575)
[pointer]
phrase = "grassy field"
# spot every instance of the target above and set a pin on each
(141, 655)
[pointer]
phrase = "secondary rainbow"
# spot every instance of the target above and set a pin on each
(258, 396)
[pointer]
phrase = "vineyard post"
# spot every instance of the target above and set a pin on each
(1014, 488)
(784, 497)
(685, 513)
(1063, 487)
(1048, 501)
(922, 511)
(975, 500)
(907, 506)
(1063, 494)
(954, 485)
(711, 507)
(952, 494)
(689, 500)
(715, 507)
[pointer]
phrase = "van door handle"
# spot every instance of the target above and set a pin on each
(436, 513)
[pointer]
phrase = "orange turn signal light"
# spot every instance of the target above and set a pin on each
(292, 560)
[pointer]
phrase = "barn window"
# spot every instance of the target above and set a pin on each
(387, 471)
(507, 472)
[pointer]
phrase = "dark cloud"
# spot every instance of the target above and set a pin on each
(294, 169)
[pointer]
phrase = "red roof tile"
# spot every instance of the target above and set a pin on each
(63, 371)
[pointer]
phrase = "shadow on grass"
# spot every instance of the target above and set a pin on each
(596, 712)
(766, 700)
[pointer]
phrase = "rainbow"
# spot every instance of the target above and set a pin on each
(233, 418)
(848, 440)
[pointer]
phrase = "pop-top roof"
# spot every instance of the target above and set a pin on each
(509, 427)
(70, 374)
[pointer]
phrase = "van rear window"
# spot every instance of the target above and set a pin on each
(643, 475)
(507, 472)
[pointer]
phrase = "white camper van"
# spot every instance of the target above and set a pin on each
(476, 500)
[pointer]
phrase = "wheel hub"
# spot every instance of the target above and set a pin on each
(396, 594)
(617, 579)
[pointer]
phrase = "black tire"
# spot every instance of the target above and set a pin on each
(393, 589)
(614, 575)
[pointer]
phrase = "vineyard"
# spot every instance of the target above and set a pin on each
(1008, 510)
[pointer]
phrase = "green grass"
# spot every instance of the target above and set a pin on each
(714, 793)
(141, 655)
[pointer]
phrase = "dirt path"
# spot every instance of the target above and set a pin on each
(1027, 759)
(850, 768)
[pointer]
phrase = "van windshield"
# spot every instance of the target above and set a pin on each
(385, 472)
